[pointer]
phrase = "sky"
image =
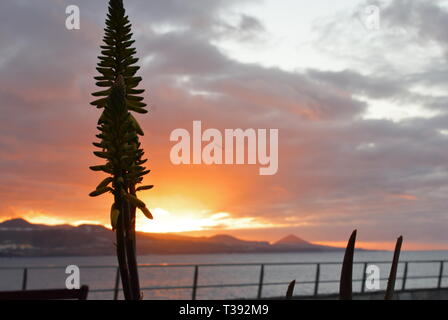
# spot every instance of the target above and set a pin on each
(361, 114)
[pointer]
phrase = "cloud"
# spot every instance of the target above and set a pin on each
(338, 169)
(357, 84)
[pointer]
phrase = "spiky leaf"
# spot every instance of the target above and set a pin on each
(393, 270)
(100, 191)
(345, 284)
(144, 188)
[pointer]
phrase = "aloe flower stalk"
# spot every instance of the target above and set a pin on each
(119, 140)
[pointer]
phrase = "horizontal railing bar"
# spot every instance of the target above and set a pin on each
(166, 288)
(219, 264)
(423, 277)
(218, 286)
(228, 285)
(57, 267)
(188, 287)
(256, 284)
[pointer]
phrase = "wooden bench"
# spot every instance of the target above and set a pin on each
(52, 294)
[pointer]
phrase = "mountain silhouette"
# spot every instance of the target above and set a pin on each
(291, 239)
(16, 223)
(18, 237)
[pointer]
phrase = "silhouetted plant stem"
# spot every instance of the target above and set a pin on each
(393, 270)
(345, 284)
(133, 211)
(122, 260)
(131, 251)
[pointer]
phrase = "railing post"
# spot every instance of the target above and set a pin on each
(364, 278)
(316, 282)
(25, 278)
(117, 284)
(439, 282)
(260, 283)
(405, 275)
(195, 282)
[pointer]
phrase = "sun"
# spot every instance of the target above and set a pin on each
(176, 213)
(166, 222)
(180, 213)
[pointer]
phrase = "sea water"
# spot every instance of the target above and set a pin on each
(100, 279)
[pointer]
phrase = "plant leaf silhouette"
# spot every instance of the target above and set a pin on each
(393, 270)
(290, 291)
(345, 284)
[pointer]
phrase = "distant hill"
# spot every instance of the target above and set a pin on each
(294, 243)
(18, 237)
(20, 224)
(291, 240)
(16, 223)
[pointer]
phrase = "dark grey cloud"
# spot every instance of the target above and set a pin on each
(356, 83)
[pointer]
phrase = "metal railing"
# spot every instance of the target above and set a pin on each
(316, 282)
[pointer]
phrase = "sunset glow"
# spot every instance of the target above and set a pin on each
(165, 221)
(42, 218)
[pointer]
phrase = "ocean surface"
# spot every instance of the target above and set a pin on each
(100, 279)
